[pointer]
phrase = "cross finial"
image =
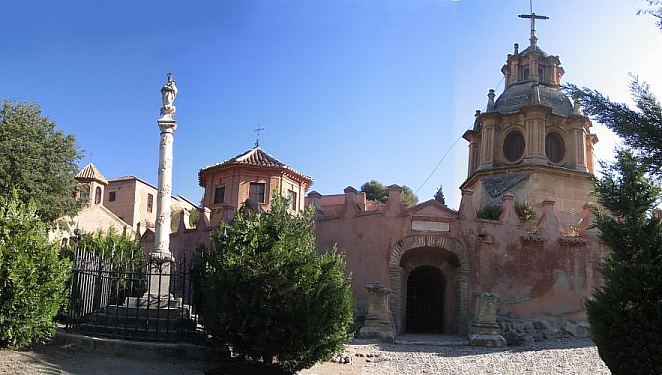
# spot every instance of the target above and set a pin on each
(257, 138)
(533, 18)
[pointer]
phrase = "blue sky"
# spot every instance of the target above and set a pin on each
(347, 91)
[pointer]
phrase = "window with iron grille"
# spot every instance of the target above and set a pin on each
(111, 196)
(292, 196)
(219, 194)
(256, 192)
(150, 202)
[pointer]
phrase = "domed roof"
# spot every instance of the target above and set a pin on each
(518, 95)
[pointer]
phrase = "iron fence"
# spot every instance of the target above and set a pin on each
(132, 297)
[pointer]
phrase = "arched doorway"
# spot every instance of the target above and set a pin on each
(425, 300)
(450, 258)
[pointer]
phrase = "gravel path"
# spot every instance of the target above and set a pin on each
(561, 356)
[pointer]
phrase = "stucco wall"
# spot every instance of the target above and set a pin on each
(533, 279)
(123, 206)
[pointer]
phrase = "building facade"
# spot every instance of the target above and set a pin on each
(126, 204)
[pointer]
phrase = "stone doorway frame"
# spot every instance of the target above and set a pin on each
(397, 274)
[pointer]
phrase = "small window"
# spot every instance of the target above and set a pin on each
(84, 193)
(292, 196)
(219, 194)
(256, 192)
(150, 202)
(513, 146)
(554, 147)
(97, 195)
(111, 196)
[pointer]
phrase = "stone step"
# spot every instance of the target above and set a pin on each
(183, 311)
(136, 332)
(163, 322)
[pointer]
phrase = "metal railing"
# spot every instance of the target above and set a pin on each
(117, 296)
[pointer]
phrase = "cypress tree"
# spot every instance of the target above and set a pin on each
(626, 312)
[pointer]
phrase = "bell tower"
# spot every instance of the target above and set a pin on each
(531, 141)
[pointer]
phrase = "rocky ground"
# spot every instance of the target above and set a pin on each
(553, 356)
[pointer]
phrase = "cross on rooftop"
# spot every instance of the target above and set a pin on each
(257, 138)
(533, 18)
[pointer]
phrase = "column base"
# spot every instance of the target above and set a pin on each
(488, 341)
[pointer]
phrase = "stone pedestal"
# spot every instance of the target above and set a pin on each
(378, 318)
(484, 329)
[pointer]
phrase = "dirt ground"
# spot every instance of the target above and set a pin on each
(58, 360)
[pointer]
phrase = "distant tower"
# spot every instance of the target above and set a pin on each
(530, 141)
(91, 185)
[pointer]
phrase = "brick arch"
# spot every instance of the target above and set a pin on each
(397, 273)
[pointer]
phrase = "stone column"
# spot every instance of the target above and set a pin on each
(161, 262)
(164, 195)
(378, 318)
(484, 328)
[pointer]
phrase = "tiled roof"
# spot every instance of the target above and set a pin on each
(90, 172)
(254, 157)
(518, 95)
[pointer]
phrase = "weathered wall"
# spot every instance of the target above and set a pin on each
(540, 278)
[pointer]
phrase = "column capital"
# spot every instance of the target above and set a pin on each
(167, 126)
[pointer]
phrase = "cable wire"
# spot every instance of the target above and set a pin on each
(438, 164)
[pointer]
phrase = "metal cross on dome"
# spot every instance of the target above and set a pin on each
(533, 40)
(257, 138)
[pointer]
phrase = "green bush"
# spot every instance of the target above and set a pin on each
(489, 212)
(626, 312)
(122, 249)
(524, 211)
(268, 293)
(32, 276)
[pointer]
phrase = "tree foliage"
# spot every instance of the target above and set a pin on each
(37, 161)
(266, 291)
(32, 276)
(407, 196)
(122, 249)
(377, 192)
(626, 313)
(439, 196)
(640, 129)
(655, 10)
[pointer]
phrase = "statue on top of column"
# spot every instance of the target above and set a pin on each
(168, 93)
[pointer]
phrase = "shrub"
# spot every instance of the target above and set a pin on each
(524, 211)
(626, 312)
(32, 276)
(267, 292)
(124, 250)
(489, 212)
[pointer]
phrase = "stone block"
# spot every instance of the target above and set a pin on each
(489, 341)
(569, 328)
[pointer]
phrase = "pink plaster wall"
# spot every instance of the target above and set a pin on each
(532, 280)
